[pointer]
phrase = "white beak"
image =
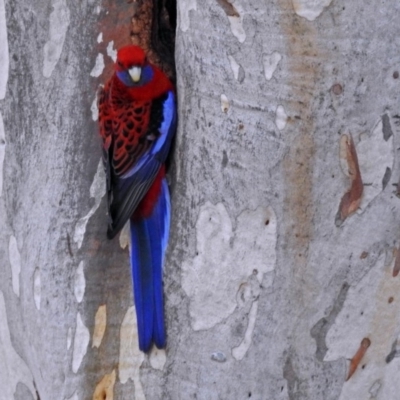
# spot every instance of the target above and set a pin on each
(135, 72)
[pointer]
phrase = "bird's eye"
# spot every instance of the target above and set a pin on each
(119, 64)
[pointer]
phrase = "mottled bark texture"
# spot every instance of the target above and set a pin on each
(267, 296)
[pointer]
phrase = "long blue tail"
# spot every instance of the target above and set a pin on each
(149, 238)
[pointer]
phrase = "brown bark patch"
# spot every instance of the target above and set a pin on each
(302, 54)
(229, 9)
(352, 198)
(355, 361)
(105, 388)
(396, 268)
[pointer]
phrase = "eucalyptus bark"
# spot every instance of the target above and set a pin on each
(274, 289)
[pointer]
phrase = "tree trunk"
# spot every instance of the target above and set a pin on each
(281, 279)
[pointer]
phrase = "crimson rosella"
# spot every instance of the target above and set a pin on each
(137, 117)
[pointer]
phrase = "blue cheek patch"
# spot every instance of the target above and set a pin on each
(145, 77)
(125, 78)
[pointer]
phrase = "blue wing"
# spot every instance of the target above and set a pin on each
(126, 191)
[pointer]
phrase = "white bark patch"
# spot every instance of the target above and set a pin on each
(15, 262)
(80, 283)
(111, 51)
(37, 288)
(310, 9)
(271, 62)
(240, 351)
(130, 357)
(4, 57)
(59, 22)
(235, 67)
(158, 358)
(69, 338)
(100, 323)
(369, 311)
(280, 118)
(95, 109)
(105, 388)
(81, 341)
(224, 103)
(225, 259)
(124, 236)
(2, 151)
(237, 28)
(185, 7)
(98, 66)
(13, 368)
(100, 37)
(375, 155)
(97, 191)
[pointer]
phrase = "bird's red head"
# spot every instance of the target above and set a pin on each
(130, 56)
(132, 68)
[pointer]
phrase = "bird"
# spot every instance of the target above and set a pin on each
(137, 124)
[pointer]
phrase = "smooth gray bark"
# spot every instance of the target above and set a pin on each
(267, 296)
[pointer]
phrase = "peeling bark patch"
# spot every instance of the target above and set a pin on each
(94, 108)
(234, 66)
(321, 328)
(280, 118)
(37, 288)
(229, 9)
(69, 338)
(299, 161)
(16, 370)
(80, 283)
(396, 268)
(394, 352)
(355, 361)
(292, 379)
(98, 66)
(111, 51)
(105, 388)
(375, 156)
(59, 22)
(97, 191)
(81, 342)
(130, 357)
(239, 352)
(310, 9)
(15, 262)
(224, 103)
(100, 323)
(158, 358)
(352, 198)
(271, 62)
(237, 28)
(4, 56)
(185, 7)
(225, 259)
(386, 127)
(124, 236)
(2, 151)
(366, 313)
(386, 178)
